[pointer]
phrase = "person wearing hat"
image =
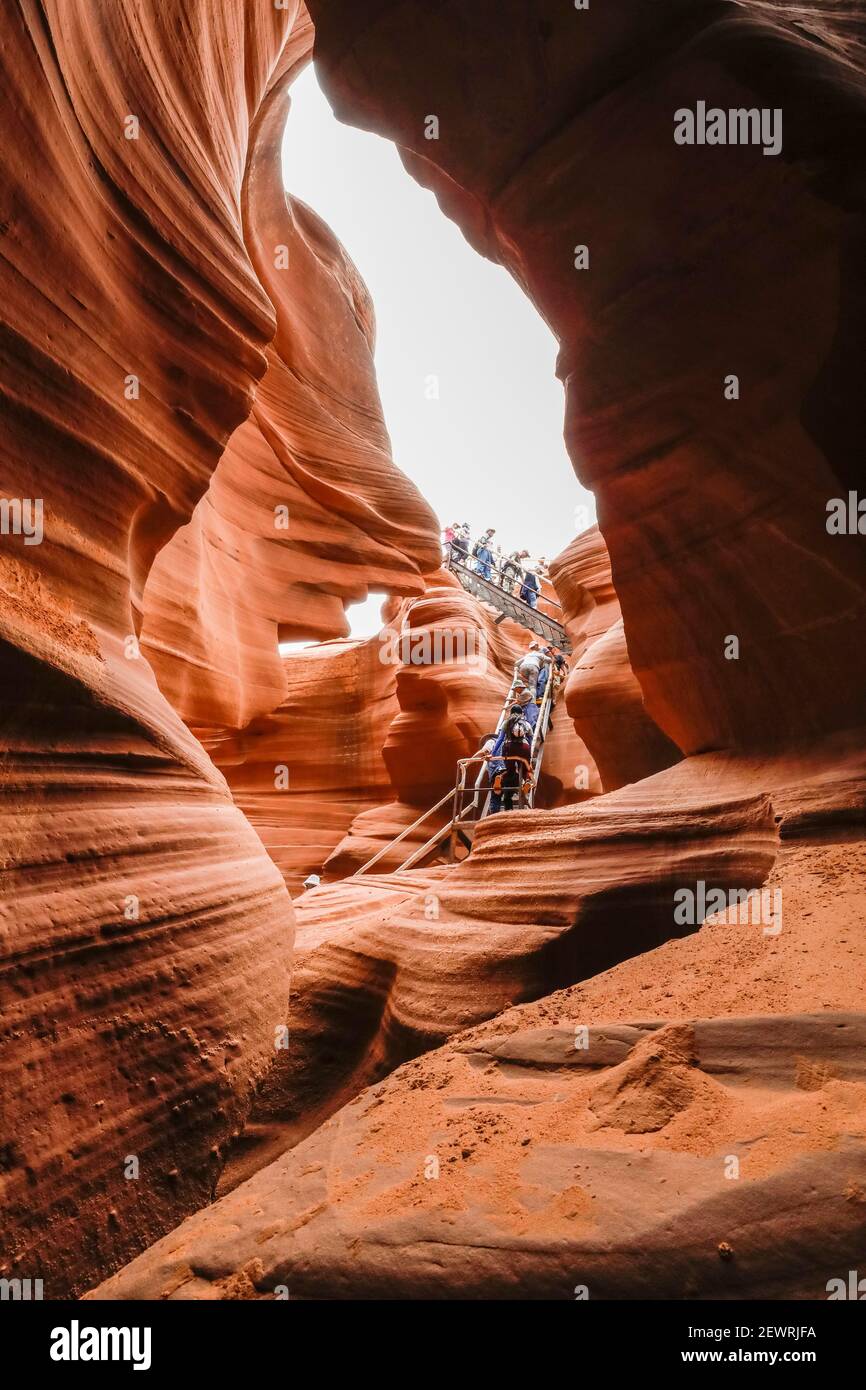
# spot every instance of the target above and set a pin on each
(516, 751)
(529, 667)
(512, 569)
(547, 665)
(491, 747)
(529, 707)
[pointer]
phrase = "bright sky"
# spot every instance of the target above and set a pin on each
(489, 451)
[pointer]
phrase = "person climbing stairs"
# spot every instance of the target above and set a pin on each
(508, 605)
(471, 801)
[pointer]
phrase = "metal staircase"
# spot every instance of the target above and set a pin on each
(471, 803)
(509, 606)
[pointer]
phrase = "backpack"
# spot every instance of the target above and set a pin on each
(517, 739)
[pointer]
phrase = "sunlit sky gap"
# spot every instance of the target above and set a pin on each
(489, 451)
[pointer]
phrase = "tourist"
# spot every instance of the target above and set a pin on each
(516, 748)
(529, 667)
(529, 588)
(529, 706)
(483, 558)
(510, 571)
(460, 545)
(488, 744)
(491, 746)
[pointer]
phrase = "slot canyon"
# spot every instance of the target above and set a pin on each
(515, 1068)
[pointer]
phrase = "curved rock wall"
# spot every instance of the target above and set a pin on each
(146, 938)
(134, 329)
(302, 773)
(556, 128)
(306, 510)
(453, 666)
(147, 935)
(602, 694)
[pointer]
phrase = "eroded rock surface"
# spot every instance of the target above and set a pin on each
(721, 1158)
(167, 392)
(146, 935)
(603, 696)
(556, 128)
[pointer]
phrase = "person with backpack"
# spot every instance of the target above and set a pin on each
(483, 558)
(529, 667)
(512, 569)
(530, 707)
(513, 761)
(529, 588)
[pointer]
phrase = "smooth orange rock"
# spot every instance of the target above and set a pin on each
(302, 774)
(149, 934)
(561, 133)
(306, 510)
(454, 666)
(564, 1130)
(603, 696)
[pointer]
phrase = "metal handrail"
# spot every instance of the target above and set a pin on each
(461, 814)
(423, 850)
(510, 605)
(403, 833)
(498, 568)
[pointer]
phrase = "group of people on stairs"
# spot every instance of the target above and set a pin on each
(513, 573)
(509, 751)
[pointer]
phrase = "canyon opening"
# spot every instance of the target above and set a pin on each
(432, 855)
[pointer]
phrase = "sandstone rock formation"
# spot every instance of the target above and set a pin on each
(545, 899)
(603, 696)
(620, 1185)
(454, 665)
(185, 355)
(370, 733)
(555, 127)
(450, 666)
(586, 1142)
(306, 511)
(303, 773)
(134, 329)
(147, 935)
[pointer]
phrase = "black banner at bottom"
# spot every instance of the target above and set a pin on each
(223, 1339)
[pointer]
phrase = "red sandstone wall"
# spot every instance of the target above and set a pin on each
(602, 695)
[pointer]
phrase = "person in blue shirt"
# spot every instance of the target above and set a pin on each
(508, 764)
(528, 706)
(484, 560)
(529, 588)
(483, 555)
(543, 677)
